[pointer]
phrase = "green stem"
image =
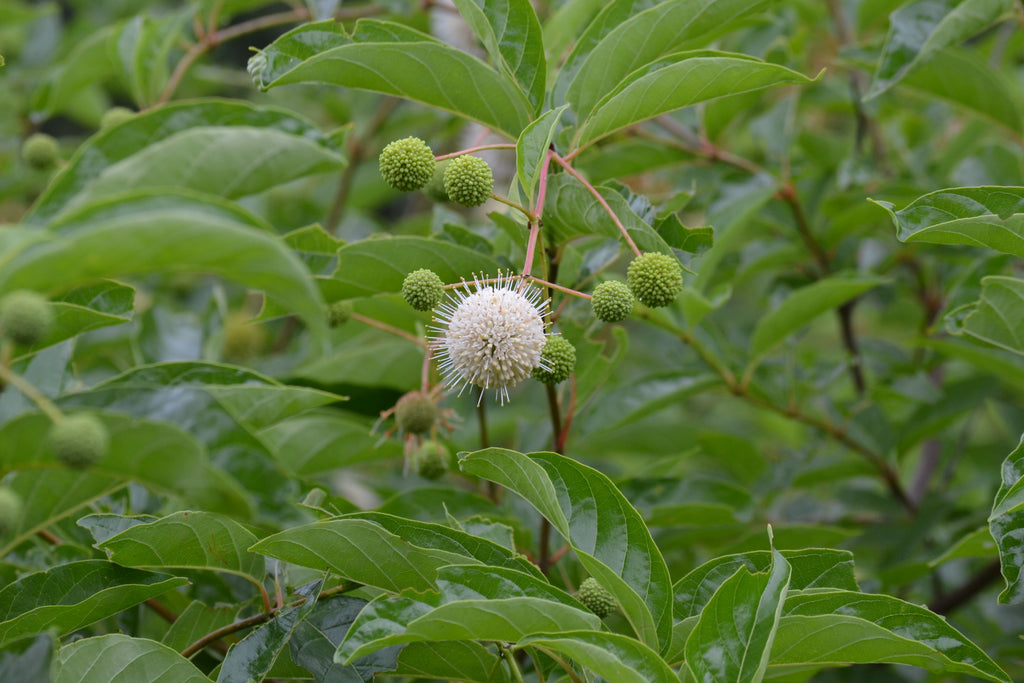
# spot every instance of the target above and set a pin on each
(36, 396)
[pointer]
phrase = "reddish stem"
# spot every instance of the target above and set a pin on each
(597, 195)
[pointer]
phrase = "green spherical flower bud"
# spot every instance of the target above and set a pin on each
(243, 340)
(612, 301)
(407, 164)
(430, 460)
(40, 150)
(79, 440)
(25, 317)
(423, 289)
(11, 508)
(655, 279)
(435, 188)
(468, 180)
(560, 355)
(596, 598)
(115, 116)
(340, 312)
(415, 413)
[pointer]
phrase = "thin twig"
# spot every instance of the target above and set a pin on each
(389, 329)
(7, 376)
(948, 602)
(600, 200)
(478, 148)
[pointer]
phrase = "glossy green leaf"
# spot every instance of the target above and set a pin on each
(188, 540)
(473, 602)
(1006, 521)
(252, 658)
(158, 455)
(118, 658)
(391, 58)
(511, 34)
(622, 40)
(432, 536)
(170, 239)
(678, 81)
(732, 640)
(110, 147)
(314, 444)
(995, 318)
(606, 532)
(70, 596)
(532, 149)
(612, 656)
(990, 217)
(803, 306)
(376, 266)
(963, 78)
(344, 546)
(871, 624)
(317, 637)
(921, 28)
(571, 211)
(451, 660)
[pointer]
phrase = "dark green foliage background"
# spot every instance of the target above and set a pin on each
(842, 181)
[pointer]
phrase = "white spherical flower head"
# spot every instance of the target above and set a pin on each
(492, 337)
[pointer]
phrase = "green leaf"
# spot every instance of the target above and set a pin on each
(170, 239)
(1002, 365)
(473, 602)
(143, 48)
(920, 29)
(996, 318)
(967, 80)
(394, 59)
(158, 455)
(28, 661)
(380, 265)
(605, 531)
(511, 34)
(252, 658)
(864, 620)
(732, 640)
(622, 40)
(118, 658)
(990, 217)
(811, 568)
(314, 444)
(532, 149)
(188, 540)
(195, 621)
(317, 636)
(88, 308)
(90, 61)
(110, 147)
(444, 538)
(1006, 521)
(612, 656)
(451, 660)
(678, 81)
(228, 161)
(977, 543)
(803, 306)
(571, 211)
(360, 551)
(370, 358)
(70, 596)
